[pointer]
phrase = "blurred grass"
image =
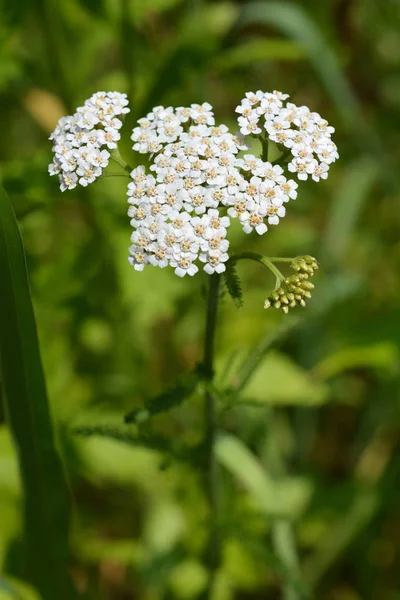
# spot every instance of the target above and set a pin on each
(112, 339)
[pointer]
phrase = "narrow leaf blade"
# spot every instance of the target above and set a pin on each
(27, 410)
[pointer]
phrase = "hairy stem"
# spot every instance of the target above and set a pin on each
(212, 475)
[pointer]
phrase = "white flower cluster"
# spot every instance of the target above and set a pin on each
(165, 125)
(78, 139)
(305, 134)
(178, 211)
(198, 181)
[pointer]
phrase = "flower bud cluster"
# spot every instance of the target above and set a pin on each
(303, 134)
(296, 289)
(78, 139)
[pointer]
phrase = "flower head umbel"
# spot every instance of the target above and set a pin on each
(81, 142)
(200, 176)
(300, 133)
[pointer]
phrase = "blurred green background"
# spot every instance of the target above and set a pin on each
(326, 390)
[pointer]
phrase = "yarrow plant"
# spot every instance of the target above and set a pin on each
(200, 175)
(197, 178)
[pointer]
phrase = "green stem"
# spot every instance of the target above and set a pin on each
(285, 548)
(279, 277)
(212, 471)
(115, 175)
(282, 532)
(264, 152)
(282, 159)
(116, 157)
(280, 259)
(264, 260)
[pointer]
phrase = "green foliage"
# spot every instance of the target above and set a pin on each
(232, 281)
(287, 384)
(317, 391)
(284, 498)
(149, 440)
(15, 590)
(164, 401)
(44, 486)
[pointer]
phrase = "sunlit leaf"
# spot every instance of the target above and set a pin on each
(278, 380)
(383, 357)
(284, 497)
(12, 589)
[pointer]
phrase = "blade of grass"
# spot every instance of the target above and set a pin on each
(45, 494)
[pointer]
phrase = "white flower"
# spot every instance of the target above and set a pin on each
(68, 181)
(289, 189)
(78, 139)
(214, 260)
(251, 219)
(202, 114)
(249, 126)
(110, 137)
(320, 172)
(138, 258)
(178, 212)
(253, 98)
(54, 168)
(87, 173)
(302, 167)
(274, 213)
(304, 133)
(249, 163)
(99, 158)
(184, 266)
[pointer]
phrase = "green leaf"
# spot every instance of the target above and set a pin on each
(285, 497)
(27, 410)
(233, 284)
(258, 50)
(278, 380)
(383, 356)
(294, 22)
(166, 400)
(352, 192)
(11, 589)
(151, 441)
